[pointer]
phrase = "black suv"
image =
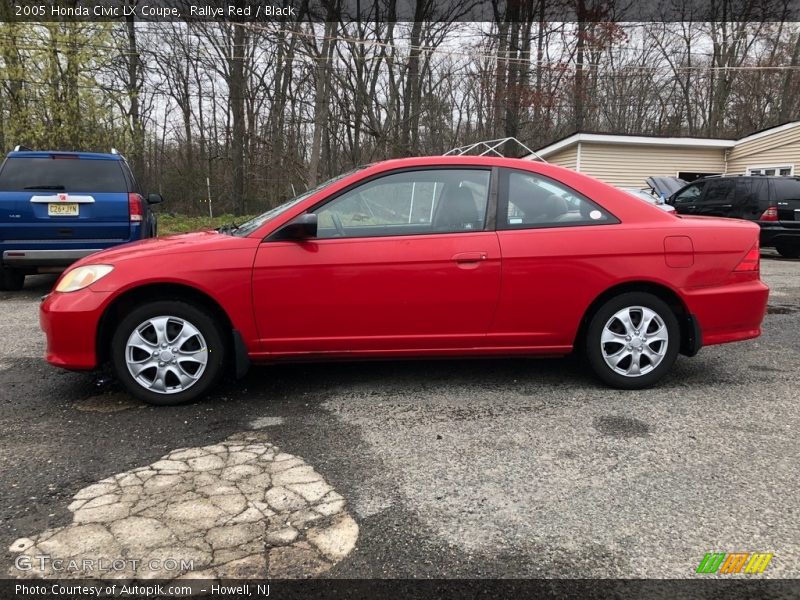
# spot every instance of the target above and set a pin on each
(772, 202)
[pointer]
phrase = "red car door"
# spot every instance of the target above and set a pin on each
(401, 262)
(550, 238)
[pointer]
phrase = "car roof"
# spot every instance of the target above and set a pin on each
(50, 153)
(715, 177)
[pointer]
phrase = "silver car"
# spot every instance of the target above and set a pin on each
(648, 197)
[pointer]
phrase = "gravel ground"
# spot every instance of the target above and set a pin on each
(513, 468)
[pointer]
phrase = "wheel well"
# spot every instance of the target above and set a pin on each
(147, 293)
(660, 291)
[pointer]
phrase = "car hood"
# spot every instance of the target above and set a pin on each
(158, 247)
(665, 186)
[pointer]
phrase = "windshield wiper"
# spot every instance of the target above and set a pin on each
(228, 228)
(43, 187)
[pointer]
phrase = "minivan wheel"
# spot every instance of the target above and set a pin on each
(11, 280)
(788, 251)
(632, 341)
(168, 352)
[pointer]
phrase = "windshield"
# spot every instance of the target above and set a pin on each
(256, 222)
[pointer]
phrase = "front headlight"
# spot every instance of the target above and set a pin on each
(81, 277)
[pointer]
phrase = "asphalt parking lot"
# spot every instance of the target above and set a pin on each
(514, 468)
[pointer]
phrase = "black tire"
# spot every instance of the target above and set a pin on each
(788, 251)
(11, 280)
(201, 320)
(594, 349)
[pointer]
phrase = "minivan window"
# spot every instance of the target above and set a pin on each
(62, 175)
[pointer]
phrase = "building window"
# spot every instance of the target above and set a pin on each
(778, 170)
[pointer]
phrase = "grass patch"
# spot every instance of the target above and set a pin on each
(169, 223)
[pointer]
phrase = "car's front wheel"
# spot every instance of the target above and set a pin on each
(632, 340)
(168, 352)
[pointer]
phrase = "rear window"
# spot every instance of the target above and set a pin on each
(787, 189)
(62, 175)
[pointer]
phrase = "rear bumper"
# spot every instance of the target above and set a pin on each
(776, 233)
(45, 258)
(70, 322)
(728, 313)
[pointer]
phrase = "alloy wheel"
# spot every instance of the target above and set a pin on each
(634, 341)
(166, 354)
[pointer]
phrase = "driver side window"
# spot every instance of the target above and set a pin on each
(409, 203)
(691, 193)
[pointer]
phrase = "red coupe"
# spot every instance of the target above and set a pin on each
(421, 257)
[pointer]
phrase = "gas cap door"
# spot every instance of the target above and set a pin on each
(678, 251)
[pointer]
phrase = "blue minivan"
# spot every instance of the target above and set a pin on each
(57, 207)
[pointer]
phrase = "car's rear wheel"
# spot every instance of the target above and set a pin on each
(632, 340)
(11, 279)
(168, 352)
(788, 251)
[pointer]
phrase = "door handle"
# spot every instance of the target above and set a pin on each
(469, 257)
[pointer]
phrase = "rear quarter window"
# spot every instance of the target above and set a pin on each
(787, 189)
(62, 175)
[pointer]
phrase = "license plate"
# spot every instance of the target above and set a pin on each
(63, 209)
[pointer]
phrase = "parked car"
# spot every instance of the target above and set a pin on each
(771, 201)
(57, 207)
(649, 198)
(421, 257)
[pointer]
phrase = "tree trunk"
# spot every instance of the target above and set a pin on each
(236, 102)
(321, 98)
(789, 97)
(134, 89)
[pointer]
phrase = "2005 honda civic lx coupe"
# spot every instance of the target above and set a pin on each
(421, 257)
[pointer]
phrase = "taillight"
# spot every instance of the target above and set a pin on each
(771, 214)
(751, 260)
(135, 207)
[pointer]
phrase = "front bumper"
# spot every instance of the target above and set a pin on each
(728, 313)
(45, 258)
(70, 321)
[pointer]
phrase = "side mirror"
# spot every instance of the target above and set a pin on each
(302, 227)
(154, 198)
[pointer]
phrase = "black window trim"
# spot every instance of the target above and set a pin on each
(502, 205)
(491, 202)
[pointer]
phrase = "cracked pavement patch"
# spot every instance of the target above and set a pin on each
(240, 508)
(107, 403)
